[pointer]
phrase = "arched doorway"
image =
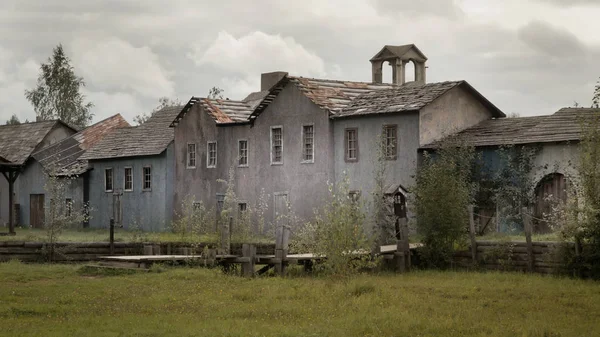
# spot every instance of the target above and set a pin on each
(550, 191)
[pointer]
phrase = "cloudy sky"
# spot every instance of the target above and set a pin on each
(528, 57)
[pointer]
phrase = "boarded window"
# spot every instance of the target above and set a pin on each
(191, 156)
(390, 141)
(308, 143)
(128, 179)
(243, 153)
(351, 144)
(211, 154)
(147, 178)
(108, 180)
(276, 145)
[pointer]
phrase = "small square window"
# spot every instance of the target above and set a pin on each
(242, 207)
(108, 180)
(191, 156)
(147, 178)
(211, 155)
(128, 179)
(354, 196)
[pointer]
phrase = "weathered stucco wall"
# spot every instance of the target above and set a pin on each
(304, 183)
(454, 111)
(150, 210)
(33, 181)
(361, 173)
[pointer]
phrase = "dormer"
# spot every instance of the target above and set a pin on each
(398, 57)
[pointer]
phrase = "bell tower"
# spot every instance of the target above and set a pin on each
(398, 57)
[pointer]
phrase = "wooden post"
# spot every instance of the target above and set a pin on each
(226, 236)
(472, 235)
(400, 257)
(405, 242)
(111, 236)
(527, 224)
(281, 248)
(497, 217)
(248, 251)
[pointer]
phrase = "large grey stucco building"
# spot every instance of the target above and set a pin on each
(131, 175)
(297, 134)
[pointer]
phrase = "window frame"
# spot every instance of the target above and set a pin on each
(247, 153)
(347, 147)
(272, 149)
(303, 144)
(125, 168)
(112, 179)
(394, 154)
(144, 178)
(208, 143)
(187, 157)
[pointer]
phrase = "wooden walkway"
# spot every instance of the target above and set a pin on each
(145, 261)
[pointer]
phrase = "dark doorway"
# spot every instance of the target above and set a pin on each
(37, 213)
(549, 192)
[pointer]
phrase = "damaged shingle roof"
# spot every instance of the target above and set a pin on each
(150, 138)
(409, 97)
(563, 126)
(63, 157)
(18, 142)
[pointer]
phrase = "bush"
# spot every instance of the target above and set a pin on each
(442, 195)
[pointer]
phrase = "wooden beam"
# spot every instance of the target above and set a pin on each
(527, 224)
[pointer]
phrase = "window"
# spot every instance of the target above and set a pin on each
(211, 155)
(390, 141)
(147, 185)
(220, 203)
(243, 153)
(68, 206)
(191, 156)
(276, 145)
(197, 205)
(351, 144)
(308, 149)
(108, 180)
(242, 207)
(354, 196)
(128, 179)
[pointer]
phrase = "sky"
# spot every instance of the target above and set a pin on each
(529, 57)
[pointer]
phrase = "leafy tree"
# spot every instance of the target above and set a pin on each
(215, 93)
(14, 120)
(57, 94)
(163, 102)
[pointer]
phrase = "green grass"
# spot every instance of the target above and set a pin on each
(521, 237)
(56, 300)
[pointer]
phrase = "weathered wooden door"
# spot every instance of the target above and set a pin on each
(550, 191)
(37, 214)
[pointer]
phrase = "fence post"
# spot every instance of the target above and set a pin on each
(226, 236)
(111, 236)
(281, 248)
(248, 251)
(527, 224)
(472, 235)
(405, 243)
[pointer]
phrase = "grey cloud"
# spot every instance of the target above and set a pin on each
(551, 41)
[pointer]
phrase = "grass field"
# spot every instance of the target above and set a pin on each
(57, 300)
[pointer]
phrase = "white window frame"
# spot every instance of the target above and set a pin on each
(271, 143)
(112, 179)
(247, 153)
(187, 157)
(208, 154)
(304, 161)
(144, 178)
(125, 178)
